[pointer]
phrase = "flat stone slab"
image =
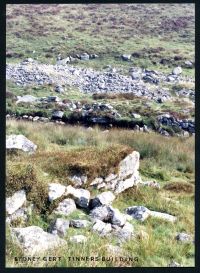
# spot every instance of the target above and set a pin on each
(20, 142)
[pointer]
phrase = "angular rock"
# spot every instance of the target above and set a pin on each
(34, 240)
(104, 198)
(129, 165)
(59, 227)
(138, 212)
(125, 233)
(80, 223)
(117, 218)
(55, 191)
(15, 202)
(122, 185)
(57, 114)
(20, 142)
(96, 181)
(102, 228)
(65, 207)
(78, 239)
(80, 196)
(184, 237)
(102, 213)
(20, 214)
(126, 57)
(110, 177)
(78, 180)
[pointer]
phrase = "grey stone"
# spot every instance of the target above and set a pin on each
(26, 99)
(78, 180)
(57, 114)
(137, 116)
(20, 142)
(15, 202)
(184, 237)
(104, 198)
(126, 57)
(125, 233)
(129, 165)
(55, 191)
(102, 228)
(80, 196)
(177, 70)
(66, 207)
(102, 213)
(117, 218)
(174, 264)
(164, 216)
(80, 223)
(33, 240)
(138, 212)
(59, 227)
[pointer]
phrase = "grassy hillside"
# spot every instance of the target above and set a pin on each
(61, 149)
(153, 33)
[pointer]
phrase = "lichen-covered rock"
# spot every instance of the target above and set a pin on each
(80, 196)
(129, 165)
(184, 237)
(59, 227)
(117, 218)
(15, 202)
(65, 207)
(138, 212)
(55, 191)
(80, 223)
(104, 198)
(102, 228)
(34, 240)
(125, 233)
(102, 213)
(20, 142)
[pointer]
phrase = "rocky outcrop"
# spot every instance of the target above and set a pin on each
(20, 142)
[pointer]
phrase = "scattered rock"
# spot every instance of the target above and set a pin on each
(137, 116)
(102, 213)
(59, 227)
(20, 142)
(104, 198)
(80, 223)
(126, 57)
(55, 191)
(129, 165)
(80, 196)
(164, 216)
(125, 233)
(65, 207)
(15, 202)
(34, 240)
(184, 237)
(138, 212)
(57, 114)
(78, 180)
(177, 70)
(101, 227)
(26, 99)
(117, 218)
